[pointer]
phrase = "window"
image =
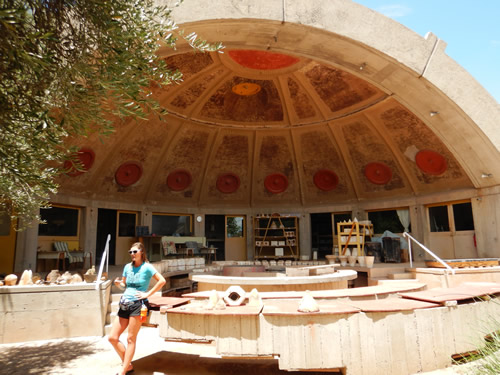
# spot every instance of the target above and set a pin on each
(461, 213)
(60, 221)
(235, 226)
(385, 220)
(126, 224)
(172, 225)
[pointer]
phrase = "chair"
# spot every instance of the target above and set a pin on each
(194, 246)
(72, 258)
(61, 259)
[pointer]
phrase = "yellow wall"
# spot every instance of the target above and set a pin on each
(8, 249)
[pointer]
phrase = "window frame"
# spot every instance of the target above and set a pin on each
(451, 216)
(75, 237)
(191, 222)
(388, 209)
(118, 212)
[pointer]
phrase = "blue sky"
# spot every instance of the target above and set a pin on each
(469, 27)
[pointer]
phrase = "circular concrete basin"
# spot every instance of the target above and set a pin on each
(237, 270)
(336, 280)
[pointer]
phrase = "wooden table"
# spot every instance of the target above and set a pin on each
(210, 253)
(50, 255)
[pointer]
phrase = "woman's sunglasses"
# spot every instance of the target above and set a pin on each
(133, 251)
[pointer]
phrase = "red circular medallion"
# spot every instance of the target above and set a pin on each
(276, 183)
(325, 180)
(228, 183)
(128, 174)
(86, 157)
(179, 180)
(431, 162)
(378, 173)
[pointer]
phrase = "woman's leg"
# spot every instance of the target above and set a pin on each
(119, 325)
(133, 330)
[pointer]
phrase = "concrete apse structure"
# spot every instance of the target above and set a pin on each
(313, 106)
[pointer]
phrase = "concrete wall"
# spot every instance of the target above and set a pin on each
(485, 205)
(375, 343)
(29, 313)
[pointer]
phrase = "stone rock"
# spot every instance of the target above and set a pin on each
(35, 278)
(53, 276)
(254, 298)
(10, 280)
(91, 271)
(213, 299)
(308, 303)
(65, 278)
(26, 278)
(76, 278)
(220, 305)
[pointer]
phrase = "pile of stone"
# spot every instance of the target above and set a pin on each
(53, 278)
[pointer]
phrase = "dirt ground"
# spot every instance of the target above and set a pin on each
(154, 356)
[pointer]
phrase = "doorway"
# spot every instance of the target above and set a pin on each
(236, 239)
(321, 234)
(8, 236)
(215, 234)
(106, 224)
(324, 231)
(451, 230)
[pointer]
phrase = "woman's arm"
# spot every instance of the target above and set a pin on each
(160, 281)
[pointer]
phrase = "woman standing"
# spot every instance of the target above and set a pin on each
(136, 278)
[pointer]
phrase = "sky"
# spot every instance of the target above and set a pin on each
(471, 28)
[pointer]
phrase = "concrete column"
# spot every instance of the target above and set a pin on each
(305, 235)
(486, 211)
(26, 248)
(250, 237)
(417, 230)
(88, 236)
(199, 227)
(147, 219)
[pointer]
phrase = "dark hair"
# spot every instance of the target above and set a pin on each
(140, 246)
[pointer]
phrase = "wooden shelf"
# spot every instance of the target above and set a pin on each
(353, 234)
(276, 229)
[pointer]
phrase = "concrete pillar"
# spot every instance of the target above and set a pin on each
(417, 215)
(147, 219)
(486, 211)
(88, 234)
(26, 248)
(305, 235)
(250, 237)
(199, 226)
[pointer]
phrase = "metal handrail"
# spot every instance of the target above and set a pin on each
(105, 257)
(406, 234)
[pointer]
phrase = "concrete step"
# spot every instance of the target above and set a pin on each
(399, 275)
(395, 281)
(373, 281)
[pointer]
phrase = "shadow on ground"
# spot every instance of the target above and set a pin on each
(40, 359)
(185, 364)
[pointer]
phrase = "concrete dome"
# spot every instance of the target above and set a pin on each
(310, 104)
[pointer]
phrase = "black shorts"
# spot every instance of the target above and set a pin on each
(133, 309)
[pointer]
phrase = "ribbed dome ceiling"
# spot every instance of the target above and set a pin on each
(254, 128)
